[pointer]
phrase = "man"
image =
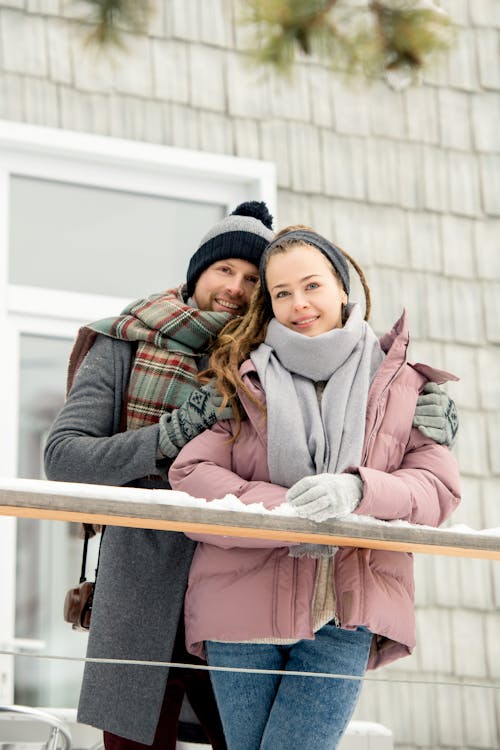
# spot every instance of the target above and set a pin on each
(133, 404)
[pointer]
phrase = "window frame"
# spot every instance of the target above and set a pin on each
(101, 162)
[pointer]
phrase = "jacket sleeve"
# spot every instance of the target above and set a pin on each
(84, 443)
(204, 468)
(425, 489)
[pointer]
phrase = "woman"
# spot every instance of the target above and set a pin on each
(325, 424)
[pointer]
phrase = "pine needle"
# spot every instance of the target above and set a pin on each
(369, 38)
(109, 18)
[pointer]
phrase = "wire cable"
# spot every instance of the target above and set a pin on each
(206, 667)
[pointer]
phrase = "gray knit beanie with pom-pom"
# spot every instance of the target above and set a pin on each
(243, 234)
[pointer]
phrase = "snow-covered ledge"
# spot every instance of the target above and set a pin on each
(177, 511)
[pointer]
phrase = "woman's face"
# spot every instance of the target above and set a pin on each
(306, 295)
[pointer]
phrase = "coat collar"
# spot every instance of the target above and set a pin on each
(394, 345)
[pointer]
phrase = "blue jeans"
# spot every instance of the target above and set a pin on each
(280, 712)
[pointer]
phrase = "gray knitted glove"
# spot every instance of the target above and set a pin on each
(307, 549)
(326, 495)
(436, 415)
(199, 412)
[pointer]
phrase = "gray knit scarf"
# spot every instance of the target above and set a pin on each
(308, 436)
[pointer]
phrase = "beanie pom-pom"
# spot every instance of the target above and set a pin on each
(256, 209)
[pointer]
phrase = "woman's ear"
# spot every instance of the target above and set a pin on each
(344, 315)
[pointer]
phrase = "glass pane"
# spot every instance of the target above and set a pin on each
(87, 239)
(48, 552)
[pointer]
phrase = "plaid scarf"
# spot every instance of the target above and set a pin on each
(171, 336)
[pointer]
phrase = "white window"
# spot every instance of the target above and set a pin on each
(95, 240)
(87, 224)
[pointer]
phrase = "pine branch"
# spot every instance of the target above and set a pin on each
(368, 39)
(109, 18)
(408, 33)
(371, 38)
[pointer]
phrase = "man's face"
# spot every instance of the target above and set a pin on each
(226, 286)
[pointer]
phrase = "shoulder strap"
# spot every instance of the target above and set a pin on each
(83, 576)
(88, 535)
(84, 340)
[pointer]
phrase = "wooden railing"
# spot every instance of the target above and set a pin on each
(175, 511)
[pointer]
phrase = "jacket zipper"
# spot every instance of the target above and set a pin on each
(373, 432)
(335, 618)
(293, 590)
(379, 411)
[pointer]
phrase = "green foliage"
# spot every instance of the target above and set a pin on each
(370, 38)
(409, 34)
(109, 18)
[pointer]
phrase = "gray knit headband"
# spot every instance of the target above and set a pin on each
(331, 251)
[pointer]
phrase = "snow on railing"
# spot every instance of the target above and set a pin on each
(177, 511)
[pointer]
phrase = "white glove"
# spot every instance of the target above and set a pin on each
(436, 415)
(326, 496)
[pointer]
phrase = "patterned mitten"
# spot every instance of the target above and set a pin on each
(199, 412)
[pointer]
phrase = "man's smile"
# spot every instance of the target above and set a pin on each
(227, 303)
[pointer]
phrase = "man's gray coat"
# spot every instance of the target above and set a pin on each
(142, 574)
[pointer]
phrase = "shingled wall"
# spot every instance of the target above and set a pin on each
(409, 183)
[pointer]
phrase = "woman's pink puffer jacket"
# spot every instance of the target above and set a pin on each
(242, 589)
